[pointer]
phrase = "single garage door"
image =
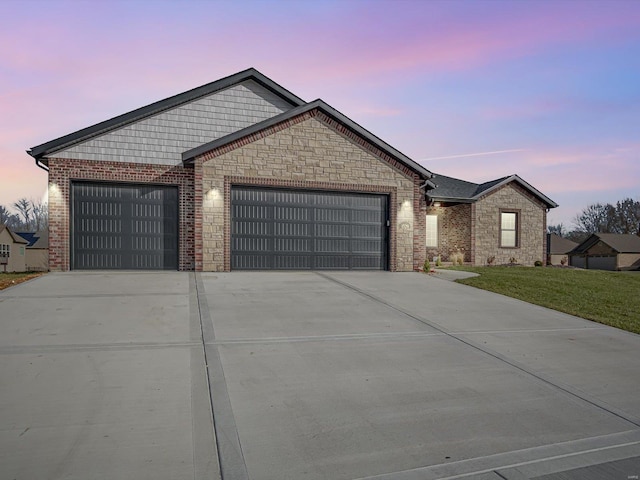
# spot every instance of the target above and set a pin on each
(123, 226)
(273, 229)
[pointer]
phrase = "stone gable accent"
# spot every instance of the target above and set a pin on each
(486, 226)
(307, 152)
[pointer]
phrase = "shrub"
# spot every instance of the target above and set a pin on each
(538, 263)
(491, 260)
(438, 262)
(513, 260)
(457, 258)
(427, 266)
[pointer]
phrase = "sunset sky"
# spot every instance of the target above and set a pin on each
(549, 90)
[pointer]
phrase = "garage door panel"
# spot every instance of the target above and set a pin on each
(292, 229)
(252, 227)
(330, 230)
(307, 230)
(123, 226)
(254, 245)
(366, 246)
(292, 245)
(292, 262)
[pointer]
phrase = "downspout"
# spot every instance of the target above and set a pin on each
(41, 165)
(38, 162)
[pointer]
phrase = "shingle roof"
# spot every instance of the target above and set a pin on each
(16, 238)
(28, 236)
(44, 149)
(620, 242)
(557, 245)
(42, 240)
(39, 239)
(320, 105)
(449, 189)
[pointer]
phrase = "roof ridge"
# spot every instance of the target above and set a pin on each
(159, 106)
(326, 109)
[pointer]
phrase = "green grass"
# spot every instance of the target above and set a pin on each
(9, 279)
(611, 298)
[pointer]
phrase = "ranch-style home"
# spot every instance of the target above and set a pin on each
(242, 174)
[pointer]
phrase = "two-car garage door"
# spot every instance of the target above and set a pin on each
(273, 229)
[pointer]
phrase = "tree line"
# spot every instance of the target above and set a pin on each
(623, 217)
(32, 216)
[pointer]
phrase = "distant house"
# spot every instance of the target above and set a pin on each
(607, 251)
(37, 252)
(495, 222)
(12, 251)
(558, 248)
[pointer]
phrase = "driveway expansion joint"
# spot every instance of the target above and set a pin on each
(543, 379)
(230, 454)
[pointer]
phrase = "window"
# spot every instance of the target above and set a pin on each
(5, 250)
(22, 251)
(432, 230)
(509, 229)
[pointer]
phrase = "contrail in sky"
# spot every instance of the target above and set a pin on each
(473, 154)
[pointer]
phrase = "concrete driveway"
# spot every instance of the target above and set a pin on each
(311, 376)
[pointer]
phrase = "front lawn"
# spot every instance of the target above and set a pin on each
(9, 279)
(612, 298)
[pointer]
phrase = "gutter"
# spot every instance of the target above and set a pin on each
(38, 161)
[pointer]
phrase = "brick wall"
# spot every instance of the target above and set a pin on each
(454, 231)
(486, 226)
(308, 151)
(63, 171)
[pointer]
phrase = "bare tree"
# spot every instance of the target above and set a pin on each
(9, 219)
(40, 215)
(557, 229)
(627, 216)
(595, 218)
(24, 209)
(32, 216)
(623, 217)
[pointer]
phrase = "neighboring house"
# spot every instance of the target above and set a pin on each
(607, 251)
(496, 222)
(558, 248)
(242, 174)
(37, 252)
(12, 251)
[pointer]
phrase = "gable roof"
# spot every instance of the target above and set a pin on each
(557, 245)
(38, 239)
(40, 151)
(323, 107)
(620, 242)
(449, 189)
(15, 237)
(28, 236)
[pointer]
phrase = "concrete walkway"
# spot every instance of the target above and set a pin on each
(307, 376)
(452, 275)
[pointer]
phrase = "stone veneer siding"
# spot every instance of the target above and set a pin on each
(486, 227)
(454, 231)
(63, 171)
(310, 151)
